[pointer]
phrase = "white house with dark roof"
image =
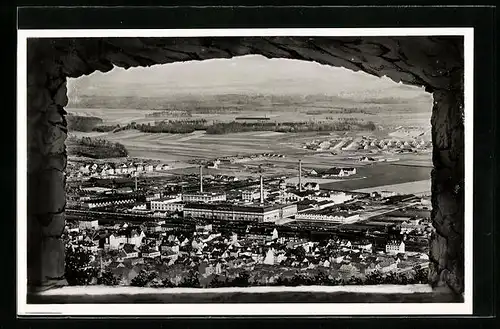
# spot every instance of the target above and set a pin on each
(150, 253)
(88, 224)
(395, 247)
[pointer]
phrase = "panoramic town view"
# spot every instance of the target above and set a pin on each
(246, 172)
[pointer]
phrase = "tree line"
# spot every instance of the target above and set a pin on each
(82, 123)
(290, 127)
(96, 148)
(219, 128)
(151, 278)
(173, 127)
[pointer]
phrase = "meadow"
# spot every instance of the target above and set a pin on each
(391, 113)
(381, 175)
(184, 149)
(413, 187)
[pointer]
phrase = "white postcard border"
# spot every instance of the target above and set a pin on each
(309, 309)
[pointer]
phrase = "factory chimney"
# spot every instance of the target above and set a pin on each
(201, 179)
(300, 175)
(261, 190)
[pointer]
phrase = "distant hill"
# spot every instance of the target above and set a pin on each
(247, 75)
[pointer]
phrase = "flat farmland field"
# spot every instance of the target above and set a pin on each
(199, 145)
(417, 187)
(392, 113)
(112, 116)
(381, 175)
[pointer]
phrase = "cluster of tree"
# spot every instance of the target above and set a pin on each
(303, 279)
(106, 128)
(151, 278)
(299, 253)
(420, 276)
(351, 110)
(220, 128)
(82, 123)
(167, 112)
(146, 278)
(173, 127)
(78, 268)
(287, 127)
(314, 112)
(107, 278)
(242, 279)
(95, 148)
(211, 110)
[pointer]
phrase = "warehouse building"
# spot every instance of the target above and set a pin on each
(328, 215)
(167, 204)
(233, 212)
(204, 197)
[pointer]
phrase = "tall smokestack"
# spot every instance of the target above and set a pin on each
(261, 190)
(300, 175)
(201, 179)
(136, 182)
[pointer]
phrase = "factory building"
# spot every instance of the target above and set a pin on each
(336, 197)
(232, 212)
(328, 215)
(251, 195)
(204, 197)
(109, 201)
(167, 204)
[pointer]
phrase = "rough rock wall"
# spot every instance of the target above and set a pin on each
(433, 62)
(46, 167)
(447, 244)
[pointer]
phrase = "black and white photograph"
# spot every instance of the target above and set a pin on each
(285, 169)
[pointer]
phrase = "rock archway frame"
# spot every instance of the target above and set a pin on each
(434, 62)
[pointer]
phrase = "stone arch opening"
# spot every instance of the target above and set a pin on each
(433, 62)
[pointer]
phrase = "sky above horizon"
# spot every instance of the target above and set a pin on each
(253, 74)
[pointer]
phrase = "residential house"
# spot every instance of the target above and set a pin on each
(311, 186)
(152, 227)
(136, 237)
(197, 244)
(395, 247)
(169, 247)
(113, 241)
(203, 228)
(270, 258)
(149, 252)
(89, 245)
(129, 251)
(85, 169)
(88, 224)
(363, 246)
